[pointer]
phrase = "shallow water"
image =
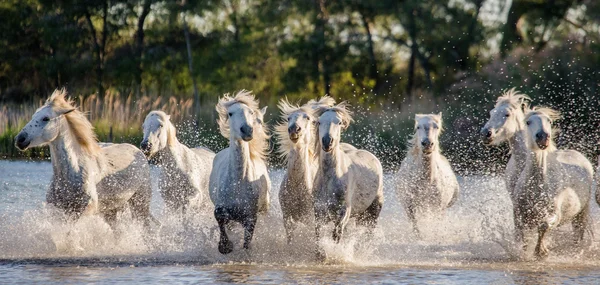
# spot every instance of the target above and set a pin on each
(469, 245)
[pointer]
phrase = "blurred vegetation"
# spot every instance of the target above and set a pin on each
(389, 59)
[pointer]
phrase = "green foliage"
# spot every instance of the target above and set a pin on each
(388, 58)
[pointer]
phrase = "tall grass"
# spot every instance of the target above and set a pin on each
(116, 118)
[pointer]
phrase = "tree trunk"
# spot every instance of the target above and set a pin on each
(139, 44)
(373, 74)
(412, 33)
(197, 103)
(321, 56)
(99, 44)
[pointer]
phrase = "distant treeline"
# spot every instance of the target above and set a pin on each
(389, 59)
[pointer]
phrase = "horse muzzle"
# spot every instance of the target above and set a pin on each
(294, 132)
(246, 133)
(146, 147)
(542, 140)
(327, 143)
(21, 141)
(294, 137)
(487, 136)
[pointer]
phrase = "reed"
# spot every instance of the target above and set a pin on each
(116, 118)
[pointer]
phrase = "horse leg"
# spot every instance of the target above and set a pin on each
(249, 225)
(140, 208)
(340, 223)
(289, 225)
(541, 251)
(369, 217)
(519, 230)
(580, 225)
(222, 217)
(410, 212)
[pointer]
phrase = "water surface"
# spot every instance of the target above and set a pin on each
(471, 244)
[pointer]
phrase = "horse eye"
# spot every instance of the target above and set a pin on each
(230, 114)
(507, 115)
(528, 123)
(46, 119)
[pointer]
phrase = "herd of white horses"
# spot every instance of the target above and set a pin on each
(326, 181)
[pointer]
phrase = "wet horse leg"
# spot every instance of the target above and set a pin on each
(340, 223)
(249, 225)
(222, 217)
(541, 251)
(369, 217)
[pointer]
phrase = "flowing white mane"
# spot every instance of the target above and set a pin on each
(81, 129)
(310, 109)
(412, 141)
(514, 99)
(551, 114)
(259, 146)
(166, 120)
(342, 110)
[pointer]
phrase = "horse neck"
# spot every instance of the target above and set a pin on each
(299, 162)
(538, 161)
(428, 164)
(67, 155)
(518, 146)
(240, 160)
(331, 162)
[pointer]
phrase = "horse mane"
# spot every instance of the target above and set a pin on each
(552, 114)
(281, 130)
(259, 146)
(341, 109)
(514, 99)
(79, 125)
(325, 101)
(412, 141)
(171, 130)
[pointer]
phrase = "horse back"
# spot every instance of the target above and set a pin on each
(125, 171)
(368, 179)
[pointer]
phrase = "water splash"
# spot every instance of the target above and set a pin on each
(477, 229)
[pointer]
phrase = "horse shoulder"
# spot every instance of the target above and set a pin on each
(218, 174)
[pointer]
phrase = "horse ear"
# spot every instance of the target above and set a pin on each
(440, 114)
(264, 110)
(68, 111)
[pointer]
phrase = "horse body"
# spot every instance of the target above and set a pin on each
(506, 124)
(555, 186)
(426, 182)
(350, 181)
(185, 172)
(239, 181)
(87, 179)
(297, 136)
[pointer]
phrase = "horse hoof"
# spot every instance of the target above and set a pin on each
(320, 255)
(541, 252)
(225, 247)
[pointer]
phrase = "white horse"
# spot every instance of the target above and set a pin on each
(185, 172)
(555, 186)
(507, 123)
(426, 182)
(297, 135)
(239, 182)
(349, 182)
(87, 179)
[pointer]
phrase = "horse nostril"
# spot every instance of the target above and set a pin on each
(541, 136)
(488, 134)
(145, 145)
(298, 129)
(21, 139)
(246, 130)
